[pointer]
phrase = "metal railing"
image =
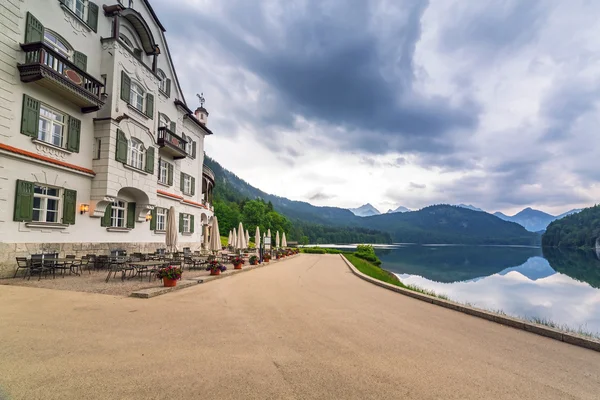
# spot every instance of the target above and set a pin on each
(165, 136)
(40, 53)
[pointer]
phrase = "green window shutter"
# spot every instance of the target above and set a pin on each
(180, 222)
(80, 60)
(153, 219)
(125, 86)
(92, 17)
(150, 160)
(193, 186)
(131, 215)
(194, 149)
(191, 223)
(105, 221)
(69, 206)
(30, 117)
(149, 105)
(170, 177)
(74, 135)
(181, 179)
(121, 154)
(23, 201)
(168, 88)
(173, 127)
(34, 30)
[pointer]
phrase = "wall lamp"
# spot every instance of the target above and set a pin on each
(148, 217)
(84, 208)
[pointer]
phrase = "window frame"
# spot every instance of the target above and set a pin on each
(163, 178)
(186, 220)
(72, 6)
(52, 122)
(162, 117)
(136, 153)
(162, 83)
(141, 95)
(114, 214)
(187, 184)
(67, 52)
(43, 208)
(161, 219)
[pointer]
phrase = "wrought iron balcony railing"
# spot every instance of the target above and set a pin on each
(54, 71)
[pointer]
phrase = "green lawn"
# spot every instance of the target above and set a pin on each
(373, 271)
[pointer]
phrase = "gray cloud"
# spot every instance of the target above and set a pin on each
(320, 196)
(414, 185)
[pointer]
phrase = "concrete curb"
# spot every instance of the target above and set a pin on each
(542, 330)
(185, 283)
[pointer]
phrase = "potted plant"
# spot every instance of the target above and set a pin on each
(238, 262)
(170, 275)
(267, 257)
(215, 267)
(253, 260)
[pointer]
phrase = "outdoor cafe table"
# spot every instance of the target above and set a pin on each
(142, 266)
(58, 261)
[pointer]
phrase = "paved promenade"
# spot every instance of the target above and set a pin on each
(305, 328)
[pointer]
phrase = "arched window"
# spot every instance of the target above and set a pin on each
(136, 96)
(162, 85)
(57, 43)
(126, 40)
(136, 153)
(163, 121)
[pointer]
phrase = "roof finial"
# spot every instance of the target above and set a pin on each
(201, 98)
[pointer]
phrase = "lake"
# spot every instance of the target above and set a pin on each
(558, 285)
(562, 286)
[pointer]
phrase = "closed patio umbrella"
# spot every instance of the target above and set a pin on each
(229, 242)
(283, 241)
(269, 232)
(234, 239)
(277, 240)
(205, 236)
(215, 238)
(247, 239)
(241, 239)
(171, 231)
(257, 238)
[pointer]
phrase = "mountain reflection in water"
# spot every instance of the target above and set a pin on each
(559, 285)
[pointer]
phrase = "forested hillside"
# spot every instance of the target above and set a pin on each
(255, 208)
(575, 230)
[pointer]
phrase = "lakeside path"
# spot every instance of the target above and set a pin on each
(304, 328)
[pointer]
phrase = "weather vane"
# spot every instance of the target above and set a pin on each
(201, 98)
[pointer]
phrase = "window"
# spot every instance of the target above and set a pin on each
(136, 96)
(163, 172)
(126, 40)
(77, 6)
(162, 85)
(187, 223)
(51, 127)
(163, 121)
(97, 148)
(161, 219)
(117, 214)
(46, 204)
(57, 43)
(136, 154)
(187, 184)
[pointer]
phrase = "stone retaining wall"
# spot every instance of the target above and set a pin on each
(9, 251)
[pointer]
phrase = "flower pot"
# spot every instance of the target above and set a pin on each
(255, 263)
(237, 266)
(169, 282)
(215, 272)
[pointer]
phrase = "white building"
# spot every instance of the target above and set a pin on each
(96, 139)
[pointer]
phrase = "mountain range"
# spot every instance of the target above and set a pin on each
(368, 210)
(433, 224)
(533, 220)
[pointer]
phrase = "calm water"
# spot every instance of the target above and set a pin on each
(563, 286)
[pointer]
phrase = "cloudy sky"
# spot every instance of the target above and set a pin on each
(493, 103)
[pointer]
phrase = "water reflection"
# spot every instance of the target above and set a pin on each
(560, 285)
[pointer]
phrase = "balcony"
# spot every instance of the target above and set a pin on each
(53, 71)
(171, 143)
(208, 173)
